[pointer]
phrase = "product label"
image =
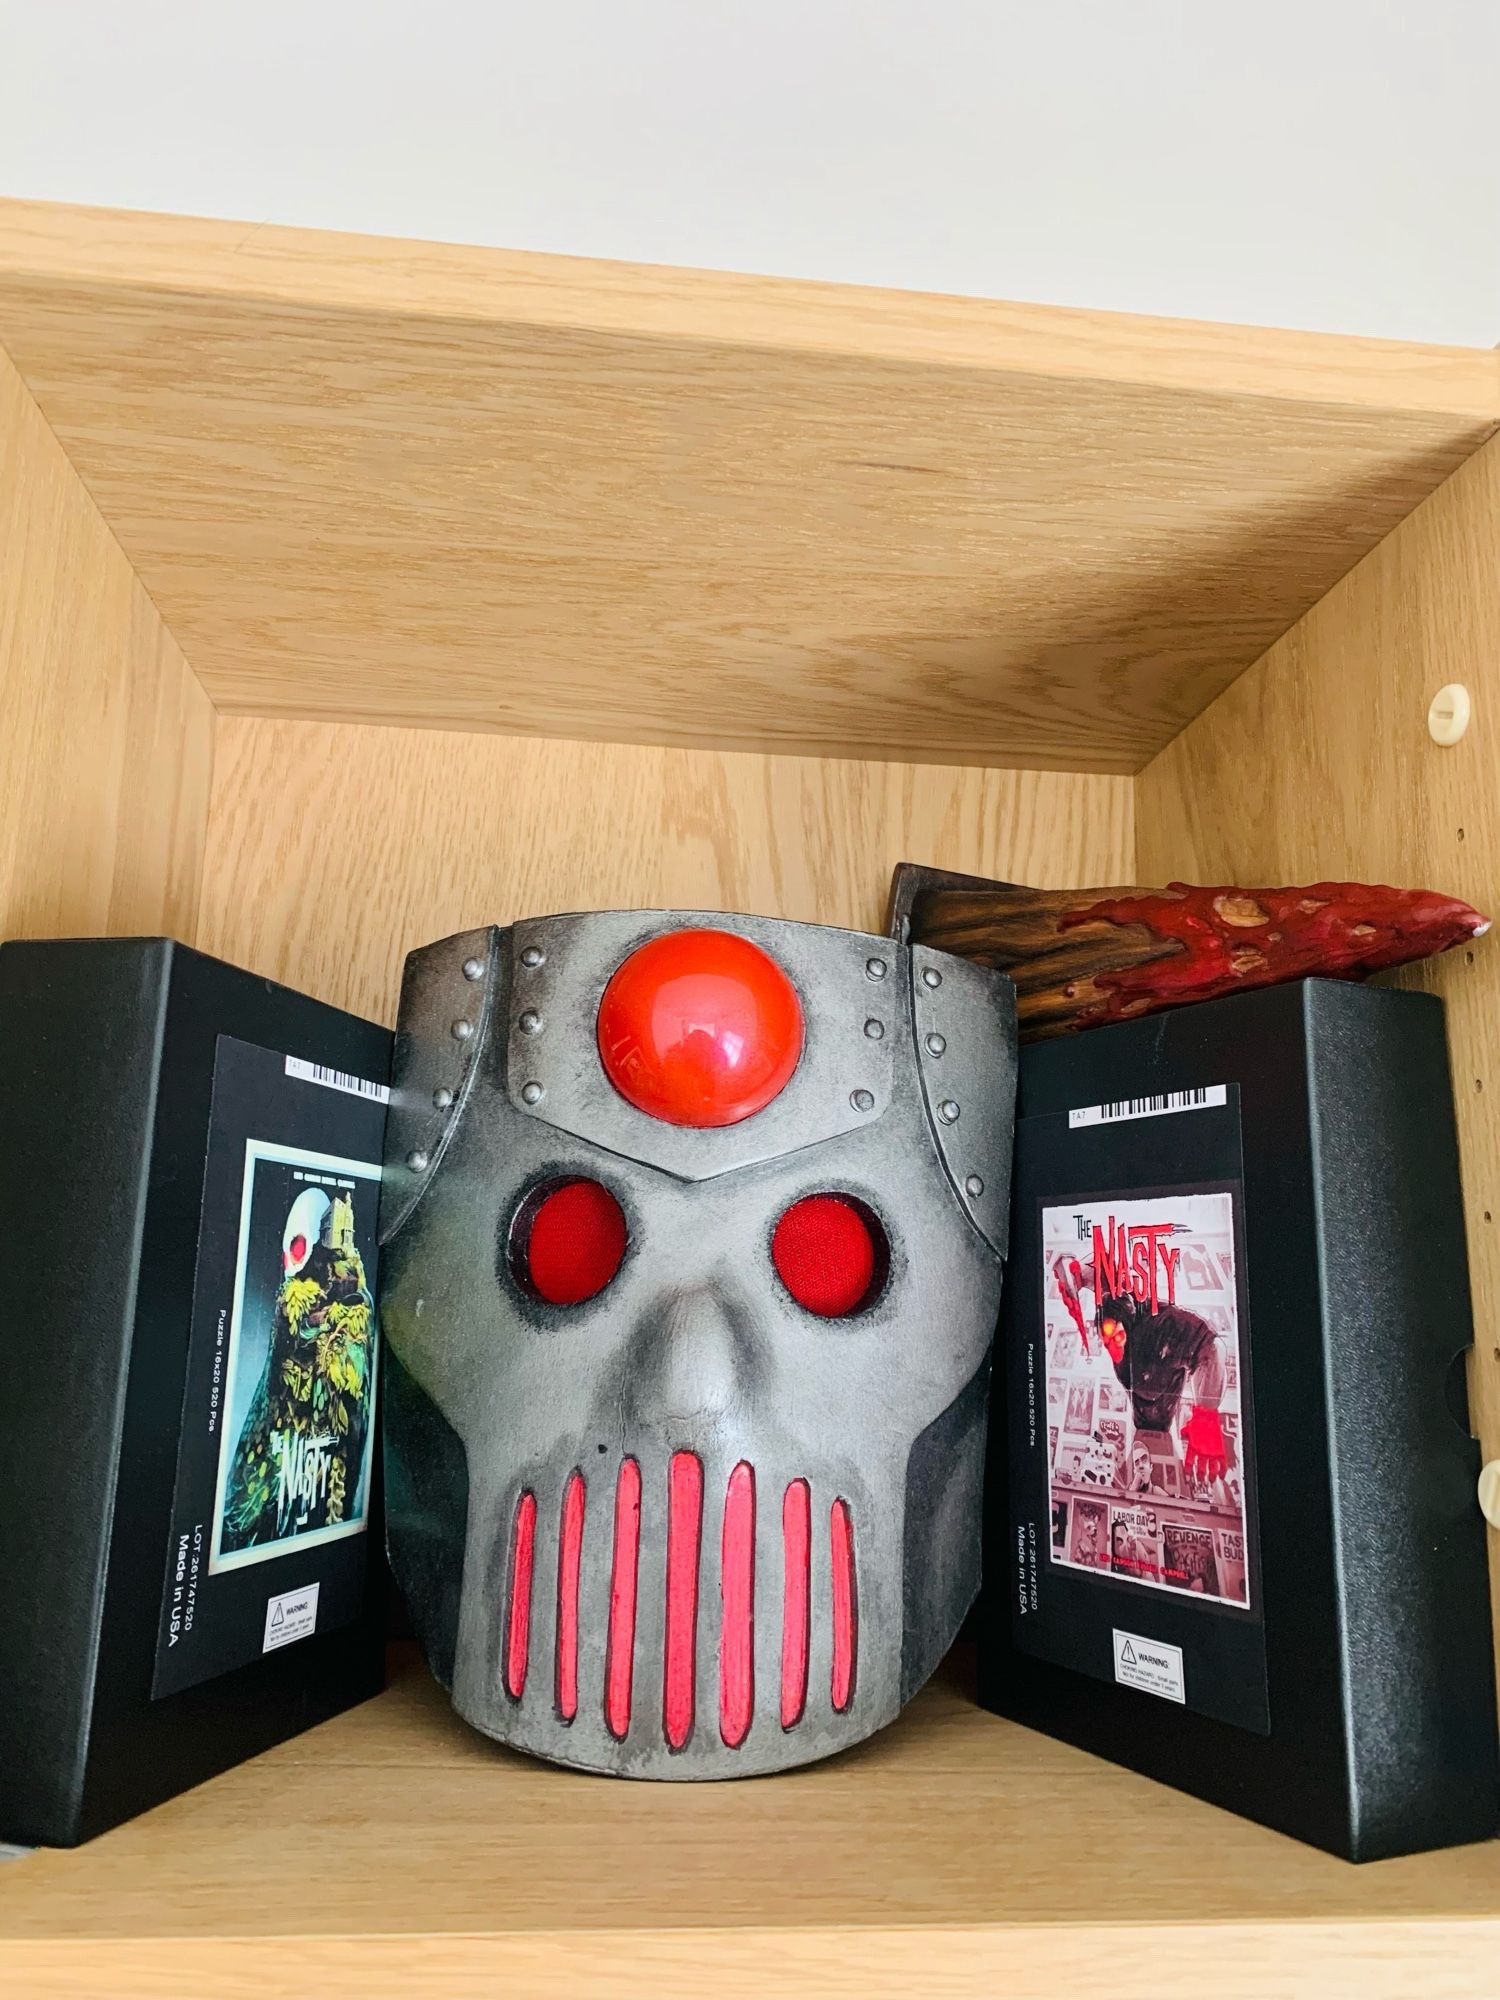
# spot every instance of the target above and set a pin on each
(337, 1079)
(1161, 1106)
(292, 1615)
(278, 1427)
(1149, 1665)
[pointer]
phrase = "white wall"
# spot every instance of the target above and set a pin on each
(1315, 163)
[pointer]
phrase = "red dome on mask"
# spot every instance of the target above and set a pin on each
(700, 1027)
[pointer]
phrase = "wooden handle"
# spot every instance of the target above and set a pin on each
(1083, 957)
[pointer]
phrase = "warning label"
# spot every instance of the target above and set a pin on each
(293, 1615)
(1150, 1665)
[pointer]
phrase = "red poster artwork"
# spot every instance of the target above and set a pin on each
(1147, 1481)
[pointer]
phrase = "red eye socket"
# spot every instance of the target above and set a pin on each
(831, 1254)
(568, 1242)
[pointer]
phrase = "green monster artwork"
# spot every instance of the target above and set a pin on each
(301, 1450)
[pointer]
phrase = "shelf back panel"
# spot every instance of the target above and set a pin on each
(335, 848)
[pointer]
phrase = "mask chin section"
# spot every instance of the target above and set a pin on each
(675, 1678)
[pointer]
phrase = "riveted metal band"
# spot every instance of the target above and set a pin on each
(447, 998)
(850, 985)
(965, 1023)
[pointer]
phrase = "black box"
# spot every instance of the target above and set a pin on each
(1233, 1539)
(160, 1116)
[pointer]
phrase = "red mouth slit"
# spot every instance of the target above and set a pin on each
(518, 1627)
(737, 1628)
(570, 1548)
(796, 1545)
(684, 1551)
(845, 1605)
(684, 1532)
(619, 1663)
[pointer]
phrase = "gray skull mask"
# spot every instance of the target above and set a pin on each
(692, 1234)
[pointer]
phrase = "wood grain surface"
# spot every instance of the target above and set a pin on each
(105, 735)
(1380, 1960)
(333, 850)
(1319, 761)
(395, 482)
(953, 1853)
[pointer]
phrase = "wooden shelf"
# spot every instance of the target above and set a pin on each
(400, 482)
(955, 1853)
(353, 593)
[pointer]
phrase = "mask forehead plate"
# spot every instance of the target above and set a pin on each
(560, 967)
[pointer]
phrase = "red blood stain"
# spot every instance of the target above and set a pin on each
(1234, 939)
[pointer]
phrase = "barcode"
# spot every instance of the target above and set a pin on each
(337, 1079)
(1150, 1107)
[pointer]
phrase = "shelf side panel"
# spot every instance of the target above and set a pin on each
(106, 736)
(1317, 765)
(334, 849)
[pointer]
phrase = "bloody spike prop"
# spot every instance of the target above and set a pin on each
(1084, 957)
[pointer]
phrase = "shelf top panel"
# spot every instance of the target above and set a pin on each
(950, 1819)
(403, 482)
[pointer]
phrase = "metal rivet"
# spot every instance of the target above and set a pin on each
(862, 1100)
(530, 1022)
(442, 1097)
(531, 1093)
(473, 968)
(875, 968)
(874, 1029)
(533, 956)
(947, 1111)
(974, 1186)
(935, 1045)
(462, 1030)
(416, 1159)
(932, 978)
